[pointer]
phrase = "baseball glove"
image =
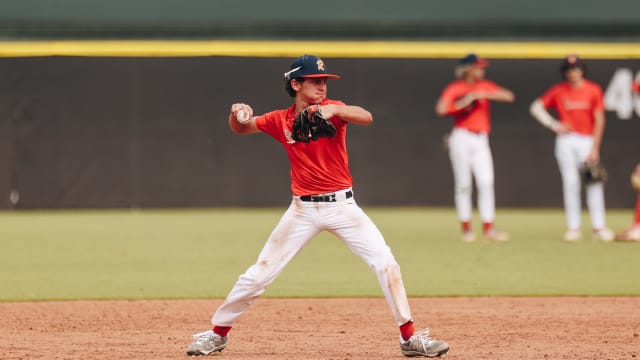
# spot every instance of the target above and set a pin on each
(593, 173)
(312, 126)
(635, 179)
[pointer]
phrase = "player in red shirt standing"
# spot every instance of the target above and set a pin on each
(580, 108)
(323, 200)
(467, 100)
(633, 233)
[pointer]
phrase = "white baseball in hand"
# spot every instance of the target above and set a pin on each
(242, 116)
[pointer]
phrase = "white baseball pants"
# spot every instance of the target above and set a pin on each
(300, 223)
(571, 151)
(470, 155)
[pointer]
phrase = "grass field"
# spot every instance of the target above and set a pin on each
(200, 253)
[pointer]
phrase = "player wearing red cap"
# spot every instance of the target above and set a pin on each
(580, 109)
(323, 200)
(467, 100)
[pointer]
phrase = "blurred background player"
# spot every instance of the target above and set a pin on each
(467, 100)
(579, 105)
(635, 86)
(323, 200)
(633, 233)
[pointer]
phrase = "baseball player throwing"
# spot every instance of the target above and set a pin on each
(580, 107)
(467, 100)
(323, 200)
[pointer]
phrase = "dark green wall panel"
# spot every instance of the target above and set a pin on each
(81, 132)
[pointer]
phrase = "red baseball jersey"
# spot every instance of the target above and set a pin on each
(477, 118)
(319, 167)
(575, 106)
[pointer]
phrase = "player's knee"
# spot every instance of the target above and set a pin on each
(572, 182)
(391, 272)
(485, 184)
(463, 189)
(393, 268)
(387, 265)
(256, 278)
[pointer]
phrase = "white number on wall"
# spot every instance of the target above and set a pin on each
(619, 97)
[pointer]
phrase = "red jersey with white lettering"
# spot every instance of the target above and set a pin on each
(319, 167)
(575, 105)
(476, 117)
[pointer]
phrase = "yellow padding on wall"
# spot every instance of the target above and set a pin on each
(345, 49)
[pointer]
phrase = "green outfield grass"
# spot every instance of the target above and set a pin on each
(200, 253)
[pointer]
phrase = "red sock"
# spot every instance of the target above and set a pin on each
(406, 330)
(466, 226)
(221, 330)
(637, 219)
(487, 226)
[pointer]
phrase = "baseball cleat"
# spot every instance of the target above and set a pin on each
(206, 343)
(632, 234)
(496, 235)
(572, 235)
(604, 235)
(468, 236)
(421, 345)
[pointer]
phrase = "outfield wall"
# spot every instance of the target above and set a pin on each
(333, 19)
(94, 132)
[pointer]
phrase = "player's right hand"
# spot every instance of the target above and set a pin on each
(466, 102)
(562, 129)
(241, 109)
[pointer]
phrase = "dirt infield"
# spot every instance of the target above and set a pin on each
(476, 328)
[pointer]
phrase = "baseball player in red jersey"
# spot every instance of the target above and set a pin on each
(580, 108)
(633, 233)
(323, 200)
(467, 100)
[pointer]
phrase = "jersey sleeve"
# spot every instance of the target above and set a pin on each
(268, 123)
(449, 96)
(549, 98)
(491, 86)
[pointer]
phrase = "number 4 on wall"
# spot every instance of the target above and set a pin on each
(619, 96)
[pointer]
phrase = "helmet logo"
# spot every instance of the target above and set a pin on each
(320, 65)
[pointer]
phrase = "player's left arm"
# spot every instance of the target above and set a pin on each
(349, 113)
(500, 95)
(598, 124)
(598, 132)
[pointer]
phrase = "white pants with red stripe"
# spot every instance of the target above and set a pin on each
(470, 155)
(300, 223)
(571, 151)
